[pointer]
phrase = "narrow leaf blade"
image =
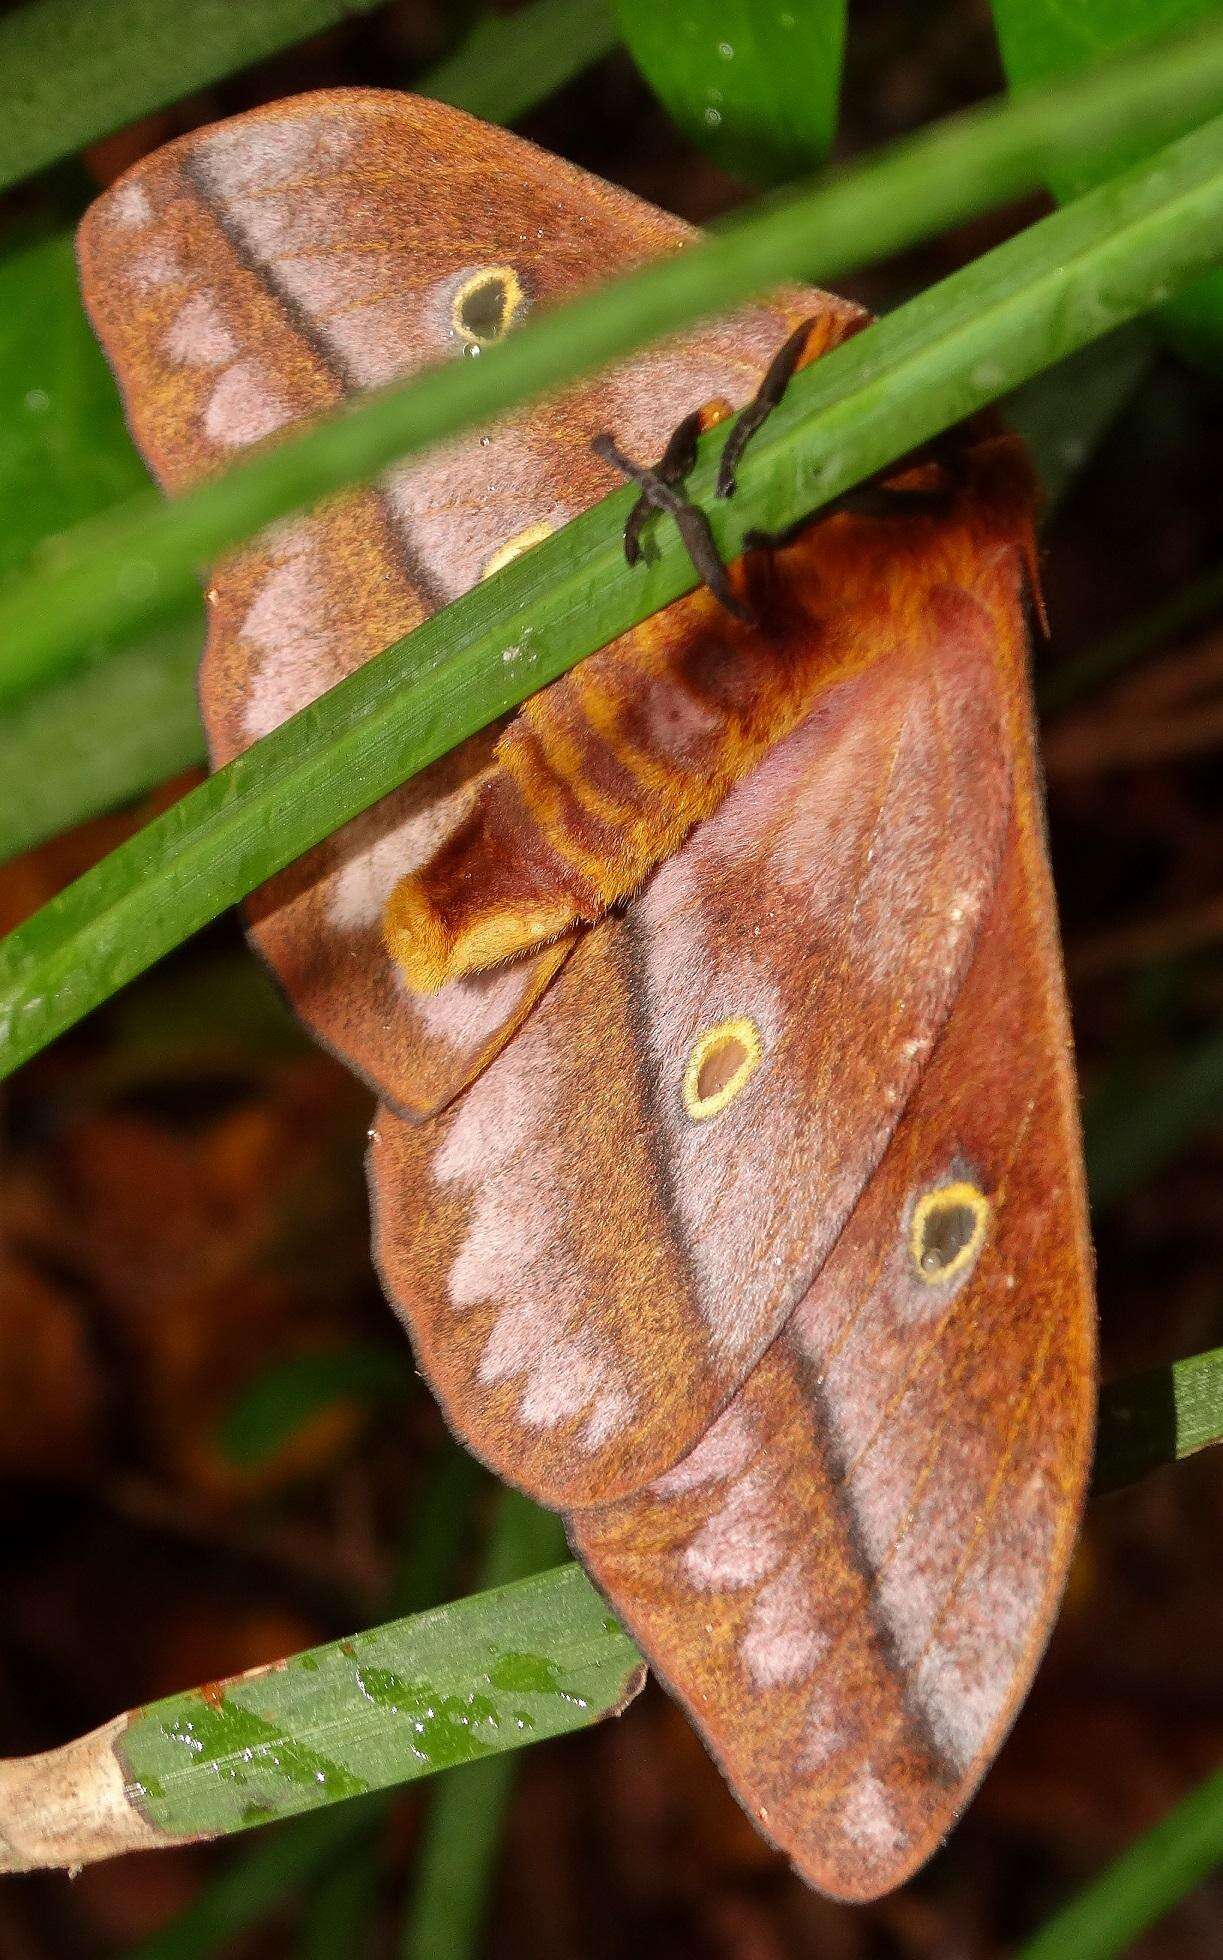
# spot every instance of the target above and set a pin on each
(966, 342)
(753, 83)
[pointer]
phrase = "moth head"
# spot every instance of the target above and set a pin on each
(947, 1229)
(484, 306)
(722, 1062)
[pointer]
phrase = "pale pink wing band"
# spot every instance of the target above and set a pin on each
(849, 1581)
(250, 277)
(588, 1269)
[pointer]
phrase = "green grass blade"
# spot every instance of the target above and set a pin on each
(436, 1539)
(1160, 1417)
(107, 732)
(1182, 1850)
(1185, 607)
(509, 62)
(124, 570)
(1064, 415)
(967, 341)
(755, 84)
(341, 1911)
(270, 1872)
(458, 1862)
(1043, 40)
(462, 1835)
(461, 1684)
(73, 70)
(281, 1864)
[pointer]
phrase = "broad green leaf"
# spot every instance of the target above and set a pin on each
(966, 342)
(129, 718)
(64, 451)
(754, 82)
(1184, 1848)
(73, 70)
(465, 1682)
(1044, 40)
(71, 751)
(126, 569)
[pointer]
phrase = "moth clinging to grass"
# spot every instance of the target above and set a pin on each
(727, 1174)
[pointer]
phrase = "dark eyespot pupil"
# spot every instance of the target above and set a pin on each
(482, 310)
(946, 1230)
(720, 1066)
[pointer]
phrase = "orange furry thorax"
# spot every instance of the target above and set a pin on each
(600, 777)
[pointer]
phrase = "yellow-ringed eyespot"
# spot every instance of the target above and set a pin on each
(948, 1230)
(722, 1063)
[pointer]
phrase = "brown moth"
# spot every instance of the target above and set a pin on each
(727, 1176)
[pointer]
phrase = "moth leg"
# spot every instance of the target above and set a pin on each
(671, 468)
(869, 499)
(659, 492)
(872, 499)
(804, 345)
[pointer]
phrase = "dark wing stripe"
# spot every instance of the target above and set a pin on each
(194, 166)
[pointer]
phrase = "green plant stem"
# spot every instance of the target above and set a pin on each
(1105, 1918)
(463, 1829)
(125, 569)
(74, 70)
(966, 342)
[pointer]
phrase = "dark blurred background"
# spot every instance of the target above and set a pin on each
(183, 1215)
